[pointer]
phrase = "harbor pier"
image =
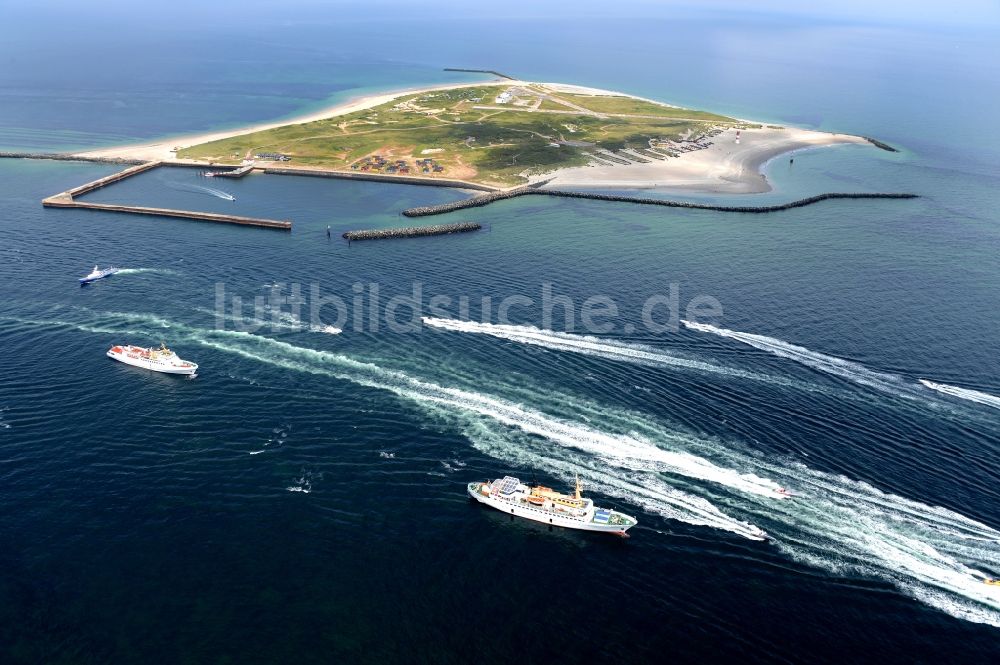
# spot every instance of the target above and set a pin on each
(68, 199)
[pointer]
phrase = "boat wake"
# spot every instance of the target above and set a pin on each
(964, 393)
(842, 526)
(304, 483)
(845, 369)
(200, 189)
(217, 193)
(891, 384)
(278, 321)
(137, 271)
(601, 347)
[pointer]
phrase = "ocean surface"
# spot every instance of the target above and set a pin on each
(303, 499)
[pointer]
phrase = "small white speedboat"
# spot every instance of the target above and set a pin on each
(98, 273)
(158, 360)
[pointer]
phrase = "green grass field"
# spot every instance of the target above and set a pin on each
(632, 106)
(498, 147)
(550, 105)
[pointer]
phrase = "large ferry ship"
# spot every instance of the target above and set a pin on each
(158, 360)
(543, 504)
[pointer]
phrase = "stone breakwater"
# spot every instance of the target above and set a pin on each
(68, 158)
(479, 201)
(486, 199)
(412, 231)
(480, 71)
(880, 144)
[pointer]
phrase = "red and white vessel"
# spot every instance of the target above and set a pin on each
(158, 360)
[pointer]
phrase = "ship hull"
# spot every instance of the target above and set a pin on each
(123, 356)
(545, 516)
(88, 279)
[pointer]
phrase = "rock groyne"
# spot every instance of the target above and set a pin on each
(69, 158)
(880, 144)
(486, 199)
(480, 71)
(412, 231)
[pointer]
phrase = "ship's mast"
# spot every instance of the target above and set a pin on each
(579, 488)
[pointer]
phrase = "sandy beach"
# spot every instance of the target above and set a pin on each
(725, 167)
(164, 150)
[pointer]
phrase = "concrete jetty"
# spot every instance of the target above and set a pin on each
(67, 199)
(109, 179)
(381, 177)
(412, 231)
(235, 173)
(56, 202)
(486, 199)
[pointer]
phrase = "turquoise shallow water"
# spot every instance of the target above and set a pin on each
(303, 497)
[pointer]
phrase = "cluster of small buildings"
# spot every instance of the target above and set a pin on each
(273, 157)
(379, 164)
(428, 165)
(675, 147)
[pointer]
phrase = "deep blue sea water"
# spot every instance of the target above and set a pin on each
(303, 498)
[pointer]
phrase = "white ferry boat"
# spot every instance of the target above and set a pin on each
(543, 504)
(158, 360)
(98, 273)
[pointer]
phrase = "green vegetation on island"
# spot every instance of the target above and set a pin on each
(496, 134)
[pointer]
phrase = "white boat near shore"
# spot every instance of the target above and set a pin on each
(157, 360)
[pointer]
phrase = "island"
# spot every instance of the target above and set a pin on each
(506, 139)
(504, 134)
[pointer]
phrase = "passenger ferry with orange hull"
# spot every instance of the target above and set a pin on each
(545, 505)
(158, 360)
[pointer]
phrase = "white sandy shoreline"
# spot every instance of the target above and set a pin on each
(163, 149)
(725, 167)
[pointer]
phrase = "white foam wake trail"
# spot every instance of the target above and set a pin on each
(928, 552)
(643, 489)
(278, 321)
(594, 346)
(216, 192)
(931, 553)
(631, 450)
(199, 189)
(136, 271)
(840, 525)
(964, 393)
(846, 369)
(603, 448)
